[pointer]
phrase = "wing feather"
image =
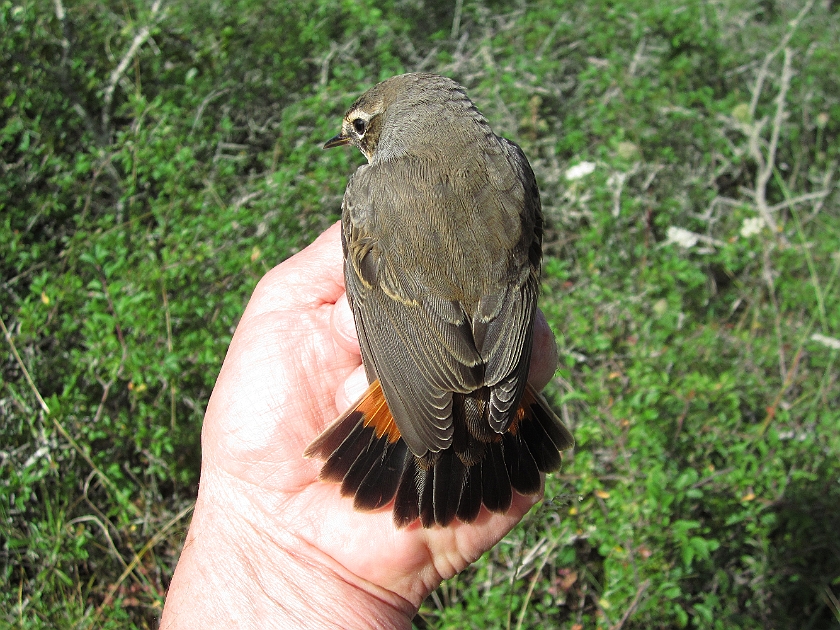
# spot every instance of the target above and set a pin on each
(442, 280)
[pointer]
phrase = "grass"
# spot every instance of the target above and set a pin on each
(159, 158)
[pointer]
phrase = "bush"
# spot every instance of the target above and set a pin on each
(158, 159)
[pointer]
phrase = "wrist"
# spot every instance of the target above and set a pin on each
(241, 569)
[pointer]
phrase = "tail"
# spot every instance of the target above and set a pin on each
(364, 452)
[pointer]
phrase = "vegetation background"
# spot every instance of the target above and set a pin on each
(159, 156)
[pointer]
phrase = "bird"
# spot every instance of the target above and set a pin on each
(442, 242)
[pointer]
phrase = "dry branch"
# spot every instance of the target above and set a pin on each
(140, 38)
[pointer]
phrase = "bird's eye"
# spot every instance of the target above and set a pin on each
(359, 125)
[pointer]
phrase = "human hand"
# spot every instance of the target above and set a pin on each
(269, 544)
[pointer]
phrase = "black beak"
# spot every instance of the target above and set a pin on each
(337, 141)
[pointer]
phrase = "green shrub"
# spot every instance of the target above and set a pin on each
(138, 210)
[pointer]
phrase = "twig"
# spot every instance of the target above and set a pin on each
(102, 516)
(64, 71)
(788, 381)
(111, 307)
(169, 349)
(61, 14)
(325, 64)
(210, 97)
(809, 260)
(90, 518)
(828, 342)
(8, 283)
(633, 605)
(87, 458)
(117, 73)
(106, 387)
(106, 391)
(765, 65)
(767, 275)
(683, 415)
(820, 194)
(436, 599)
(766, 166)
(456, 19)
(154, 540)
(637, 57)
(832, 601)
(712, 477)
(23, 368)
(584, 588)
(549, 39)
(46, 409)
(551, 547)
(789, 376)
(817, 207)
(617, 182)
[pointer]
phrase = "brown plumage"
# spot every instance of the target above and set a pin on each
(442, 238)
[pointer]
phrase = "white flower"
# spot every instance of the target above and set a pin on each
(682, 237)
(579, 170)
(751, 227)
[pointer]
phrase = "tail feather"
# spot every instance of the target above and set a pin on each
(341, 460)
(449, 476)
(542, 449)
(534, 402)
(372, 461)
(407, 501)
(380, 484)
(469, 504)
(521, 467)
(328, 442)
(495, 483)
(426, 489)
(363, 451)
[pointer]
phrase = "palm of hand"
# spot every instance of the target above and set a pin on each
(292, 363)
